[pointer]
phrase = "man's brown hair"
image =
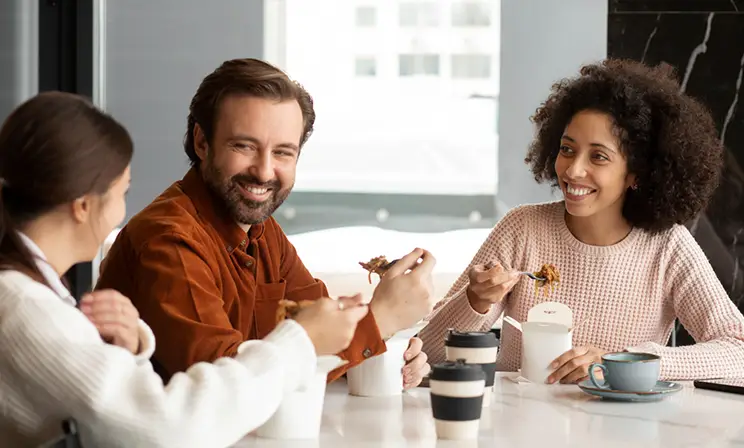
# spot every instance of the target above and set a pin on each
(250, 77)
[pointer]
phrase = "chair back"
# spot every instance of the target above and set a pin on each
(69, 439)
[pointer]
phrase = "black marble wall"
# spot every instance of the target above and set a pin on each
(704, 40)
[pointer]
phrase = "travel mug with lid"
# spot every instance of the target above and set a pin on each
(457, 399)
(475, 347)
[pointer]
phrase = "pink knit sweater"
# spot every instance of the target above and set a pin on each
(631, 292)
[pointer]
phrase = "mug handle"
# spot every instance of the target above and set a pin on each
(602, 367)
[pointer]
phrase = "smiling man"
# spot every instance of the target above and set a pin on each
(205, 263)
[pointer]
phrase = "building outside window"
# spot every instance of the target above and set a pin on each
(471, 66)
(471, 13)
(366, 16)
(418, 64)
(365, 66)
(419, 13)
(405, 146)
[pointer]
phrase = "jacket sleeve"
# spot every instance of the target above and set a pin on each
(503, 245)
(301, 285)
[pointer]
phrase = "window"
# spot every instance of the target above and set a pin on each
(365, 66)
(366, 16)
(402, 154)
(418, 64)
(471, 14)
(394, 162)
(470, 66)
(418, 14)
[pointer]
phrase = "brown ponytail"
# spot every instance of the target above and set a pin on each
(13, 253)
(54, 148)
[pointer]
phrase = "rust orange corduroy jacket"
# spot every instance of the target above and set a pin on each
(204, 286)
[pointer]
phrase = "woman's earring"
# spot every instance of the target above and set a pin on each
(634, 187)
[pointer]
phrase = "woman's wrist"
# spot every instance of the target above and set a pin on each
(476, 303)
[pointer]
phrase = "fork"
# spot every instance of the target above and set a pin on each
(491, 264)
(388, 265)
(533, 276)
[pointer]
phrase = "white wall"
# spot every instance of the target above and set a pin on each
(19, 49)
(155, 55)
(541, 42)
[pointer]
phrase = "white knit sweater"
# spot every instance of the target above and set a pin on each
(54, 365)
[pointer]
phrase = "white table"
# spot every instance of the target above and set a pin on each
(527, 415)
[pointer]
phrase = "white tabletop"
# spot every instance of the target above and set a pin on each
(529, 415)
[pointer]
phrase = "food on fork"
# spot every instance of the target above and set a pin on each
(550, 273)
(377, 265)
(290, 308)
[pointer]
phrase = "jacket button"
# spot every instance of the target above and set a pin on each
(248, 263)
(367, 353)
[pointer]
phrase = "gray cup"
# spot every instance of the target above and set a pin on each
(631, 372)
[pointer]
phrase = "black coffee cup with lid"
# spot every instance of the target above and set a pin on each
(457, 399)
(475, 347)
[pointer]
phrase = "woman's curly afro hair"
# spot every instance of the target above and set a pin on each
(668, 138)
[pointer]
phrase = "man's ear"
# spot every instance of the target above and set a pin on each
(201, 146)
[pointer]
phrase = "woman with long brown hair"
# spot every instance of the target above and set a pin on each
(64, 172)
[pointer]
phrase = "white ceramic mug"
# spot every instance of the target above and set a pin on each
(382, 375)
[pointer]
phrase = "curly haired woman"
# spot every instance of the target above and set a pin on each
(634, 159)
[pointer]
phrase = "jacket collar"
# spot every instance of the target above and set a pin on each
(210, 208)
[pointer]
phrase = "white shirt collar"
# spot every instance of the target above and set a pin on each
(46, 269)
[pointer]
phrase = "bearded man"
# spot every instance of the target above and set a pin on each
(206, 265)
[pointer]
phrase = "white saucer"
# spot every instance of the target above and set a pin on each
(661, 390)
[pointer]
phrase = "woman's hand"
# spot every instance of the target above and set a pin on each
(573, 366)
(489, 285)
(116, 319)
(331, 324)
(416, 367)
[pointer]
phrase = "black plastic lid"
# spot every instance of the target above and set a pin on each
(457, 371)
(471, 339)
(497, 332)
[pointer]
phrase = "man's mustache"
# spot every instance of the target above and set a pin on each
(251, 180)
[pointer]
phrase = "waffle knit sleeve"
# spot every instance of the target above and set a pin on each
(504, 245)
(705, 310)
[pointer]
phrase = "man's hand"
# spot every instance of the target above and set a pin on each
(116, 319)
(416, 367)
(405, 294)
(573, 366)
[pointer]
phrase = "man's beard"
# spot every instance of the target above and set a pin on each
(243, 210)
